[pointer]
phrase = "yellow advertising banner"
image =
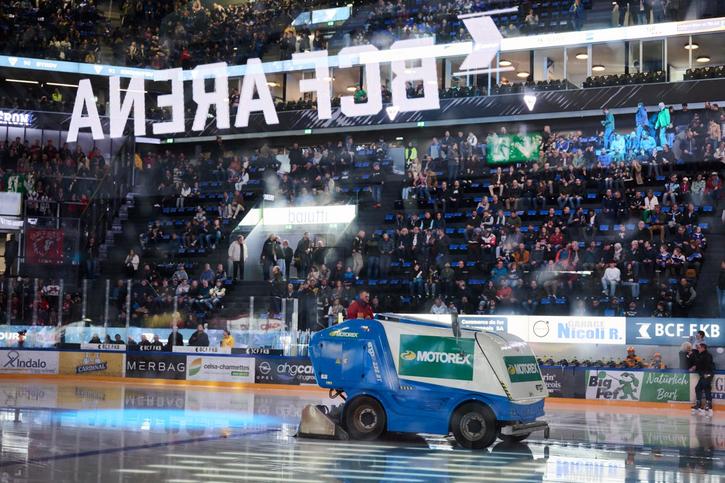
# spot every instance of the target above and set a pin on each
(92, 364)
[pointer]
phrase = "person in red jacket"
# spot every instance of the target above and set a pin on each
(360, 308)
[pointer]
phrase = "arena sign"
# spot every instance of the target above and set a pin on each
(423, 51)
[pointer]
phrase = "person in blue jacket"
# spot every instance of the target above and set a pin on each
(608, 124)
(641, 120)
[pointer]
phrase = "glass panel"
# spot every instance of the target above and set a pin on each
(653, 56)
(608, 59)
(576, 67)
(549, 64)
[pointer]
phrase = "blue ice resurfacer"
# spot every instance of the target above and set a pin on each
(403, 374)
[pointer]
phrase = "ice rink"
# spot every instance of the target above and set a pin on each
(103, 432)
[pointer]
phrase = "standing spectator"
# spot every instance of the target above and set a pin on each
(662, 123)
(721, 288)
(287, 255)
(11, 254)
(358, 250)
(684, 297)
(705, 368)
(91, 255)
(131, 263)
(360, 308)
(641, 120)
(237, 254)
(227, 339)
(576, 11)
(303, 254)
(268, 257)
(376, 184)
(175, 339)
(608, 124)
(199, 338)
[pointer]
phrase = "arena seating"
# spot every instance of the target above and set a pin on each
(567, 278)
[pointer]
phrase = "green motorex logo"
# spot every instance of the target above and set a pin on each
(522, 368)
(439, 357)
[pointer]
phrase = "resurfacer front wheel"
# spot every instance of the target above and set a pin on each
(474, 426)
(364, 418)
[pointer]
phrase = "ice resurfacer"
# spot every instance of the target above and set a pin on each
(398, 374)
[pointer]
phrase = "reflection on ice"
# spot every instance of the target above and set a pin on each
(112, 432)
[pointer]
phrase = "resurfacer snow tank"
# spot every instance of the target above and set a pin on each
(405, 375)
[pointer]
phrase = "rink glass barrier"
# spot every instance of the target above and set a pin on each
(216, 365)
(48, 313)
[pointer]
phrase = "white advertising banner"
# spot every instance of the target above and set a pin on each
(222, 369)
(187, 349)
(28, 362)
(575, 330)
(104, 347)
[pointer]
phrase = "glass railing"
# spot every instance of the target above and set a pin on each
(55, 313)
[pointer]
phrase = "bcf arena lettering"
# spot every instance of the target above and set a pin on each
(572, 330)
(678, 330)
(133, 105)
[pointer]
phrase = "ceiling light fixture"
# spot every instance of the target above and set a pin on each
(351, 88)
(60, 84)
(703, 59)
(692, 46)
(504, 63)
(273, 84)
(522, 75)
(582, 56)
(22, 81)
(598, 68)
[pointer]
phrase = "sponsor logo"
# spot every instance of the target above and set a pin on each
(91, 363)
(407, 355)
(437, 357)
(295, 369)
(155, 366)
(522, 368)
(343, 333)
(15, 362)
(195, 367)
(541, 328)
(613, 385)
(672, 331)
(265, 368)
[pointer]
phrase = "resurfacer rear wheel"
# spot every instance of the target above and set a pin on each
(474, 426)
(364, 418)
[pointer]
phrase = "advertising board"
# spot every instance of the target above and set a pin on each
(222, 369)
(28, 362)
(437, 357)
(156, 365)
(642, 386)
(92, 364)
(673, 331)
(287, 370)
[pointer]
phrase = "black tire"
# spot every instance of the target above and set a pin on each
(364, 419)
(508, 439)
(474, 426)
